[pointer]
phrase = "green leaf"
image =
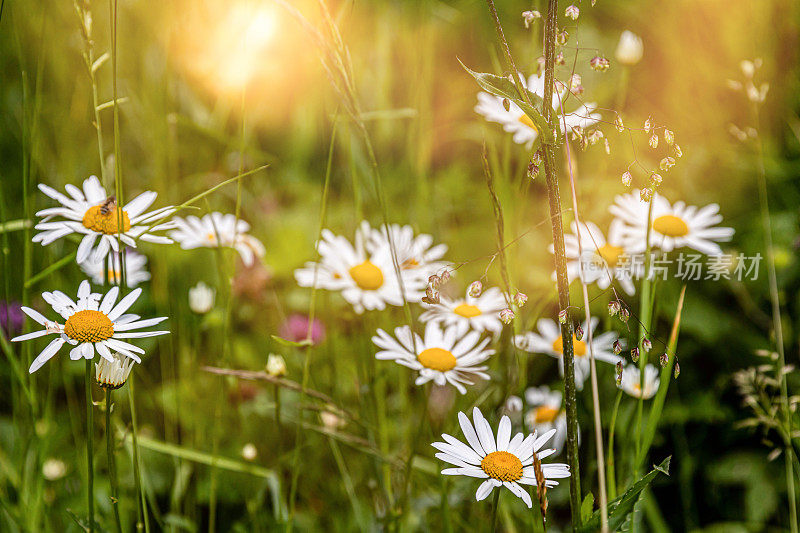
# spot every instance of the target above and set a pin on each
(506, 88)
(286, 342)
(587, 507)
(622, 507)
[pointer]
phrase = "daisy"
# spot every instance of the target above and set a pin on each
(503, 462)
(93, 323)
(602, 260)
(632, 381)
(113, 374)
(216, 230)
(548, 341)
(517, 122)
(107, 270)
(414, 253)
(673, 225)
(546, 414)
(481, 313)
(95, 215)
(443, 356)
(364, 272)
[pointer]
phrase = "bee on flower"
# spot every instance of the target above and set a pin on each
(216, 230)
(91, 212)
(481, 313)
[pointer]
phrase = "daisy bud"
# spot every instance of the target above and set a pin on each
(677, 150)
(562, 37)
(533, 170)
(562, 316)
(506, 104)
(667, 163)
(669, 137)
(646, 344)
(677, 370)
(578, 332)
(624, 314)
(529, 17)
(600, 64)
(656, 179)
(619, 373)
(653, 141)
(201, 298)
(506, 316)
(249, 452)
(626, 178)
(618, 124)
(276, 366)
(572, 12)
(629, 49)
(635, 354)
(617, 347)
(520, 299)
(513, 405)
(648, 124)
(613, 307)
(646, 194)
(475, 289)
(663, 359)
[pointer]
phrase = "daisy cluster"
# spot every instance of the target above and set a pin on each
(97, 322)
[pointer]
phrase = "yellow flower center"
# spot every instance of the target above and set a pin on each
(503, 466)
(89, 326)
(367, 276)
(610, 254)
(467, 310)
(409, 264)
(525, 119)
(210, 237)
(103, 220)
(671, 226)
(437, 359)
(579, 347)
(545, 414)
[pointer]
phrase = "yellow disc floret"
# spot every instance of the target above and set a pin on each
(579, 347)
(437, 359)
(105, 220)
(367, 276)
(610, 254)
(671, 226)
(89, 326)
(467, 310)
(503, 466)
(545, 414)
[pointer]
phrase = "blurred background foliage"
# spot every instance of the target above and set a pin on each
(182, 74)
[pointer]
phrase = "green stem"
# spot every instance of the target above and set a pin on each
(611, 476)
(89, 450)
(112, 462)
(141, 502)
(495, 507)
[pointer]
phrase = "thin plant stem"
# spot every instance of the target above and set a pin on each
(89, 450)
(112, 462)
(141, 501)
(495, 509)
(611, 476)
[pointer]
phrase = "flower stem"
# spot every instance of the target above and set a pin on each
(89, 450)
(141, 503)
(495, 509)
(112, 462)
(611, 476)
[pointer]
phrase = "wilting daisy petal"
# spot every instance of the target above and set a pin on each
(504, 462)
(216, 230)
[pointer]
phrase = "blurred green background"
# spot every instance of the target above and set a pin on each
(182, 73)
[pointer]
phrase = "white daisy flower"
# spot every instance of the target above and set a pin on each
(93, 213)
(363, 272)
(414, 252)
(632, 381)
(503, 462)
(517, 122)
(108, 270)
(603, 260)
(113, 374)
(481, 313)
(673, 225)
(546, 414)
(443, 356)
(93, 323)
(216, 230)
(548, 341)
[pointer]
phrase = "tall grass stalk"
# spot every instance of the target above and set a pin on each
(89, 441)
(611, 476)
(141, 500)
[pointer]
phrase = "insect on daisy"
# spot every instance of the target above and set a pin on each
(94, 322)
(442, 356)
(548, 341)
(107, 270)
(94, 214)
(363, 271)
(632, 381)
(481, 313)
(673, 225)
(216, 230)
(505, 461)
(515, 121)
(546, 413)
(603, 260)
